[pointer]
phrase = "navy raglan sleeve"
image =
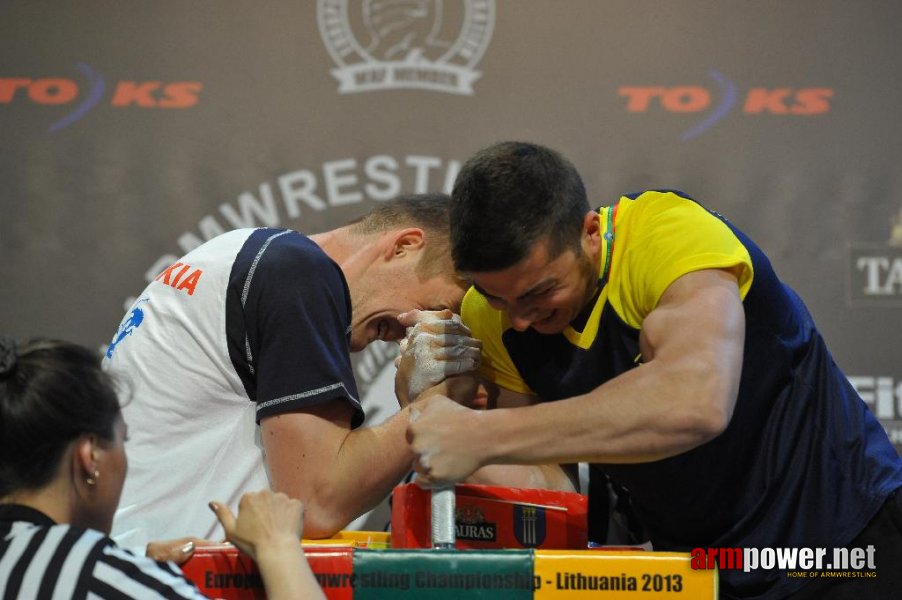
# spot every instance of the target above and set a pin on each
(288, 323)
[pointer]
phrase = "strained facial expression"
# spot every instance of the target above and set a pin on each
(377, 306)
(541, 292)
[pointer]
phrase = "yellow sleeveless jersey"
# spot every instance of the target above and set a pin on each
(656, 238)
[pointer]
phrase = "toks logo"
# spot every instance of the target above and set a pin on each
(410, 44)
(63, 91)
(697, 99)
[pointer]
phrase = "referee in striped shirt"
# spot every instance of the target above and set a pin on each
(62, 466)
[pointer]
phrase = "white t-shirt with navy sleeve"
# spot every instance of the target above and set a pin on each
(253, 323)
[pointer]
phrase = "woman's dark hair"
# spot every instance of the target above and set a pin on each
(51, 392)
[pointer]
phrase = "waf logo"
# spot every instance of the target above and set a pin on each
(413, 44)
(92, 90)
(715, 102)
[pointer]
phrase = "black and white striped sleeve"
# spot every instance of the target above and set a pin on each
(66, 562)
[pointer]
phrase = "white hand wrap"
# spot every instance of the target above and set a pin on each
(439, 348)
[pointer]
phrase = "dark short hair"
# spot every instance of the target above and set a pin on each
(51, 392)
(509, 196)
(430, 212)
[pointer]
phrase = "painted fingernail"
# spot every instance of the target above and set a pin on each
(187, 548)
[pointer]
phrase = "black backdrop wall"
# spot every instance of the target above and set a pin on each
(132, 131)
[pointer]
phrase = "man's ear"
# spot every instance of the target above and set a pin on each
(404, 241)
(591, 234)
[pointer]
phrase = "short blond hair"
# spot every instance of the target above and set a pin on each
(429, 212)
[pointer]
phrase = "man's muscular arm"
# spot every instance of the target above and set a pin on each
(440, 352)
(548, 476)
(681, 397)
(338, 474)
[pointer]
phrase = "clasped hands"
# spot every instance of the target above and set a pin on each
(437, 377)
(438, 356)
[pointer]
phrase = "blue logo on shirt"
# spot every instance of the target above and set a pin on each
(129, 324)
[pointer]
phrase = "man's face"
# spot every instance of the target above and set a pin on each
(541, 292)
(393, 290)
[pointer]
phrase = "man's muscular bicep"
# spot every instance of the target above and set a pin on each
(301, 446)
(693, 343)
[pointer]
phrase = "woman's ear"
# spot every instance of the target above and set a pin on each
(404, 241)
(84, 458)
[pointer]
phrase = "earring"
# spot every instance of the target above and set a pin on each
(93, 478)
